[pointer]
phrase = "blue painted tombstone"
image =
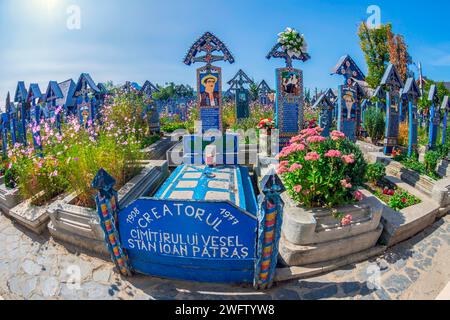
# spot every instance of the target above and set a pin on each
(332, 97)
(289, 109)
(209, 79)
(242, 103)
(445, 107)
(12, 119)
(349, 97)
(263, 92)
(52, 111)
(189, 231)
(325, 107)
(85, 92)
(34, 96)
(20, 97)
(435, 116)
(149, 89)
(411, 94)
(393, 85)
(67, 102)
(5, 129)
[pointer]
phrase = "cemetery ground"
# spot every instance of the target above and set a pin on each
(37, 267)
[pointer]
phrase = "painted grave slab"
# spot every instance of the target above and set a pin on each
(197, 227)
(289, 107)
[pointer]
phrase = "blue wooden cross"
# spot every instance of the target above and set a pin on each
(393, 84)
(411, 94)
(435, 117)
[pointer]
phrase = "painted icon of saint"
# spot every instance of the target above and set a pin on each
(209, 97)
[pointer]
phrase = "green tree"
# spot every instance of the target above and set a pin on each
(442, 91)
(374, 44)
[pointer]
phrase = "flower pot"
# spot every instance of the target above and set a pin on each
(311, 236)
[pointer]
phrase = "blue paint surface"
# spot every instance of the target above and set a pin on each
(189, 240)
(210, 118)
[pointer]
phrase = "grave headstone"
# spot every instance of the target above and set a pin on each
(52, 111)
(393, 85)
(20, 98)
(85, 92)
(12, 120)
(349, 97)
(289, 93)
(67, 102)
(411, 93)
(238, 86)
(435, 117)
(209, 79)
(325, 107)
(264, 91)
(445, 108)
(5, 128)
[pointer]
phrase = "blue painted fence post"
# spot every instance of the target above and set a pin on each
(270, 219)
(108, 209)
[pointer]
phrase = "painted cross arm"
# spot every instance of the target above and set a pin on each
(277, 52)
(208, 43)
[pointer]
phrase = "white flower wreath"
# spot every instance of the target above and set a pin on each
(293, 42)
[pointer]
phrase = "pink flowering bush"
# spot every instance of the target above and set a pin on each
(322, 172)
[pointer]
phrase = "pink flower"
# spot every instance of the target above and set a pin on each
(316, 139)
(281, 170)
(346, 184)
(298, 147)
(347, 220)
(349, 159)
(284, 163)
(298, 189)
(333, 154)
(295, 167)
(358, 196)
(312, 156)
(336, 135)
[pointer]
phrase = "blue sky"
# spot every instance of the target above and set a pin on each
(147, 39)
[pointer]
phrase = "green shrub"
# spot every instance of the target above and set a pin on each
(320, 172)
(402, 200)
(375, 124)
(375, 172)
(431, 161)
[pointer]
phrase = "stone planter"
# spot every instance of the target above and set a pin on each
(79, 226)
(157, 151)
(34, 218)
(404, 224)
(315, 236)
(438, 191)
(9, 198)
